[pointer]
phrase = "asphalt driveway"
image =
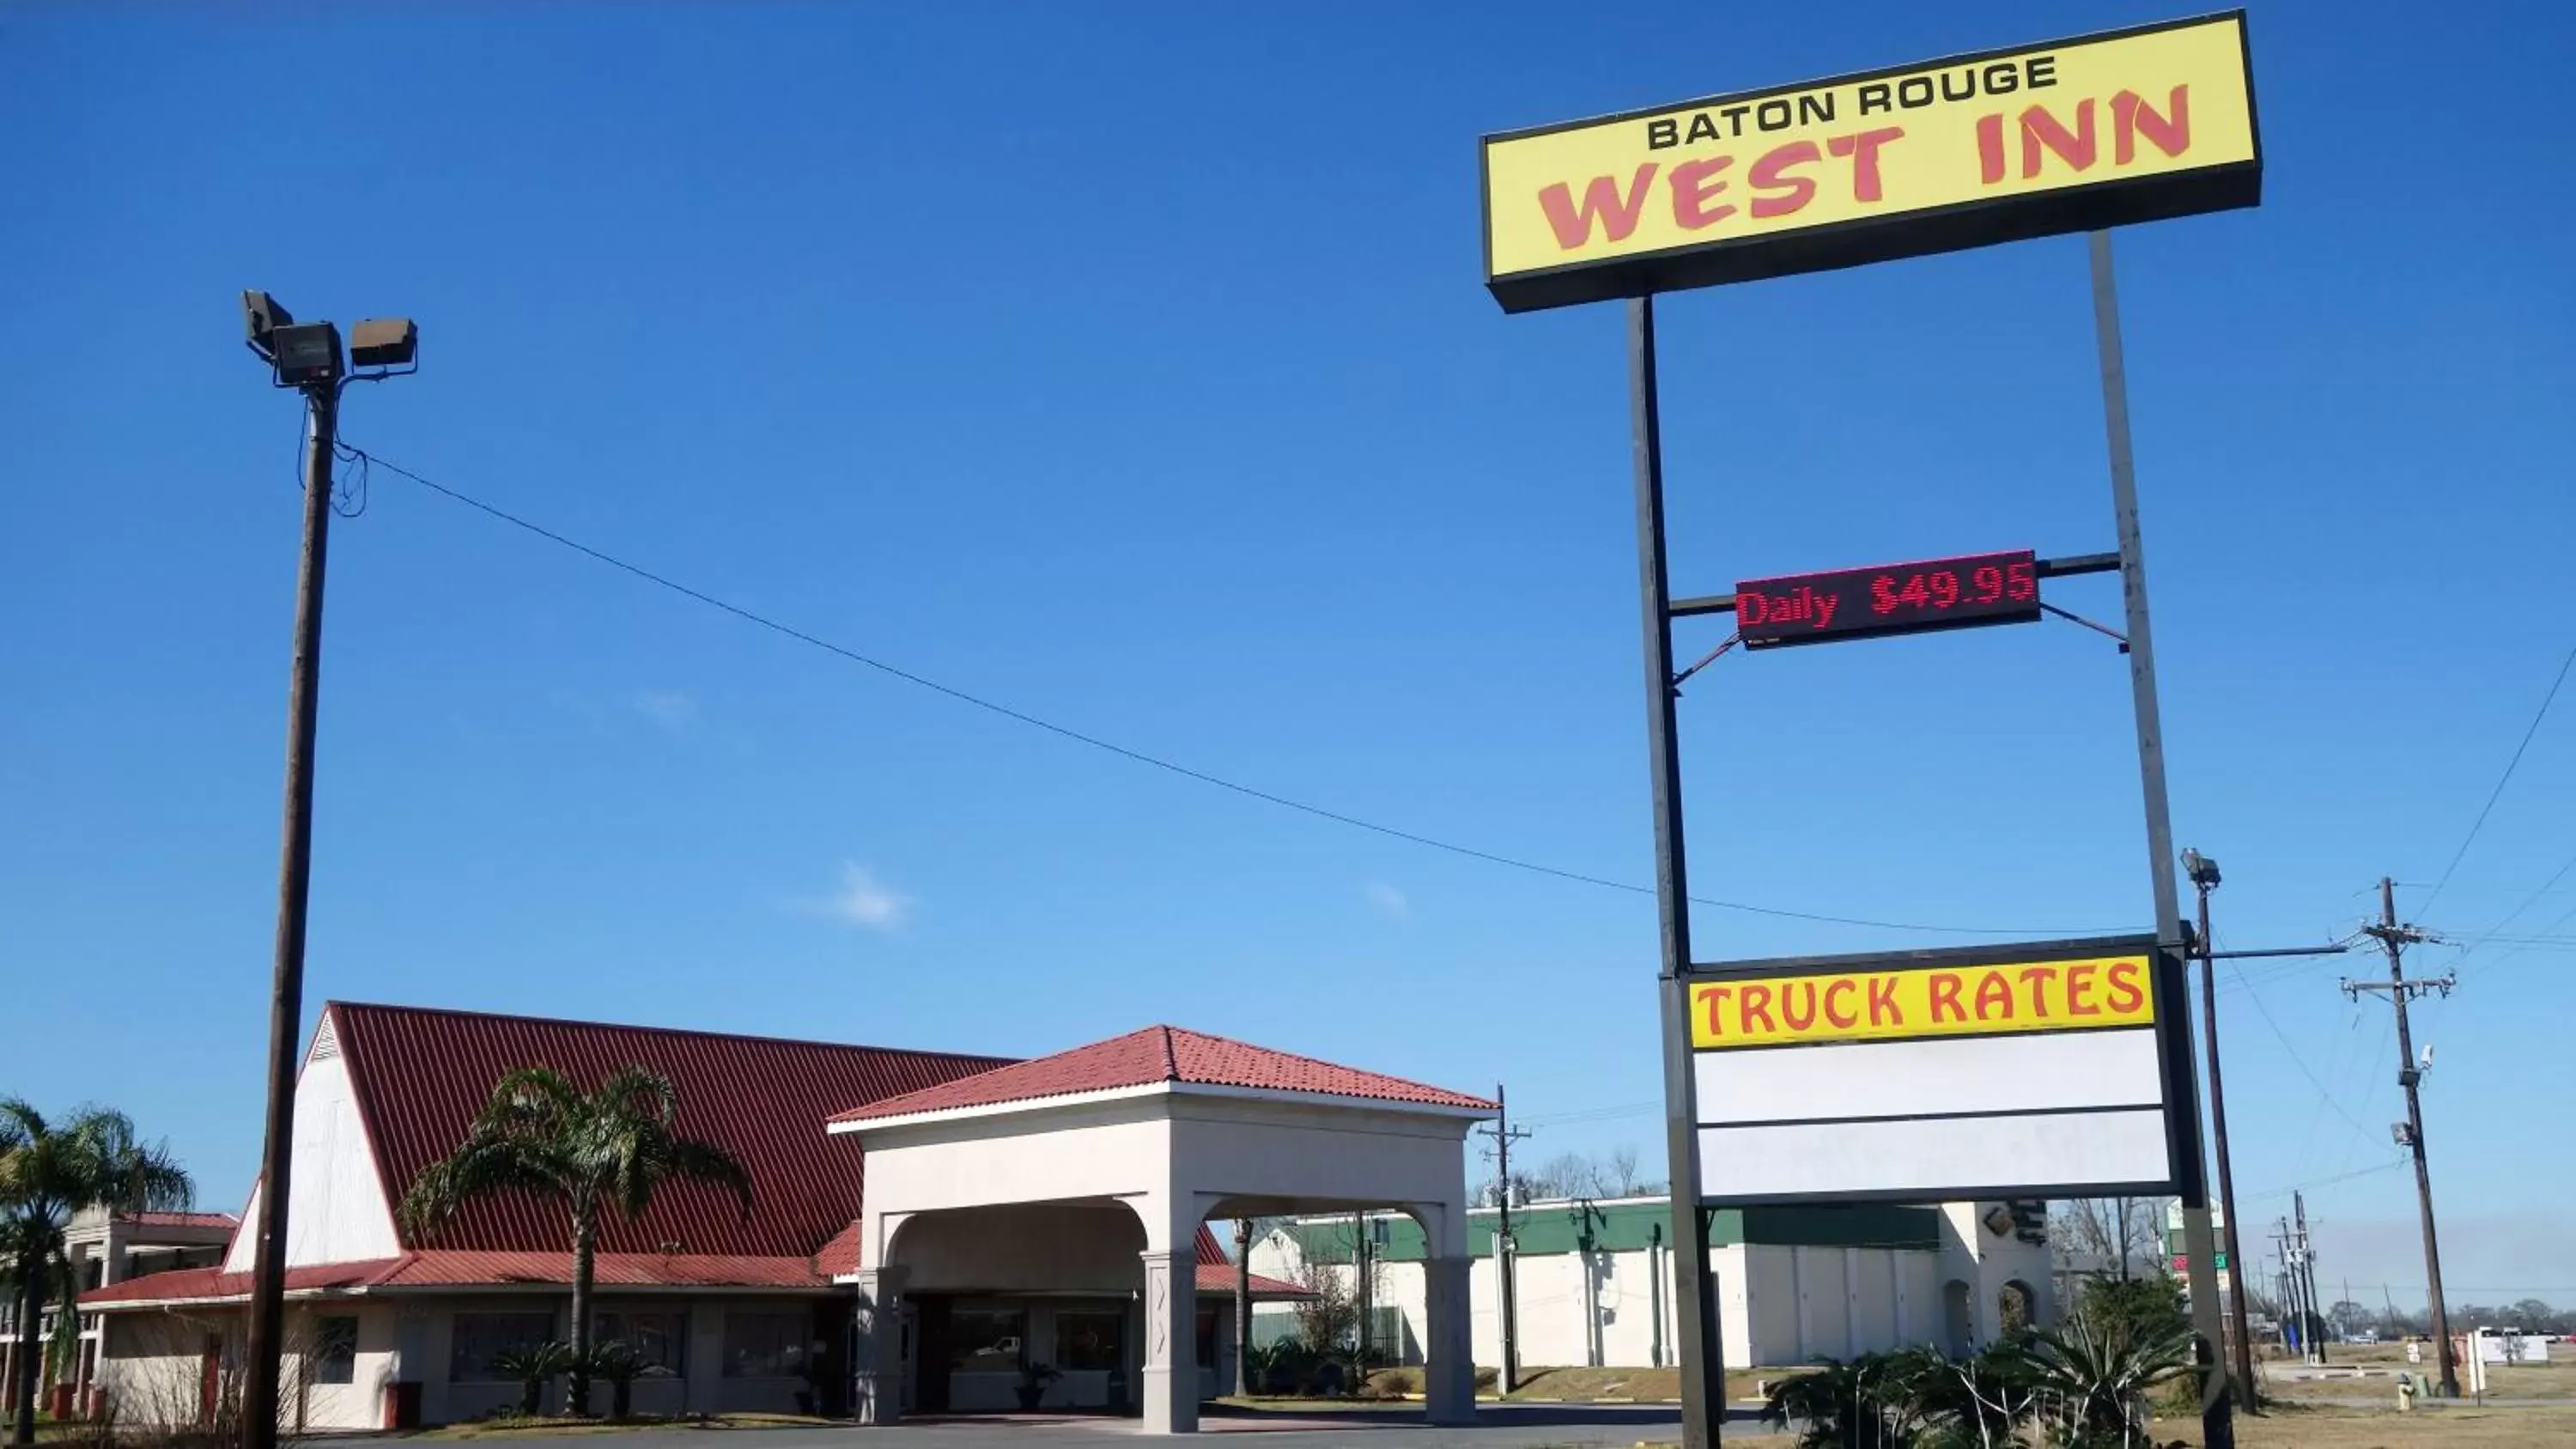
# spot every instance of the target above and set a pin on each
(1498, 1426)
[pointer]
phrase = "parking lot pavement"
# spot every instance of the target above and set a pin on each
(1498, 1426)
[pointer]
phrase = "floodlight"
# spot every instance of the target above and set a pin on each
(2202, 870)
(306, 354)
(383, 342)
(264, 314)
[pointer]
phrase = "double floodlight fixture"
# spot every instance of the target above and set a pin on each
(2202, 871)
(308, 354)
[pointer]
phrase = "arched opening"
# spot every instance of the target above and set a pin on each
(1958, 1321)
(1020, 1307)
(2013, 1306)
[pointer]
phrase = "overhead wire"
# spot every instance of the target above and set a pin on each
(2292, 1052)
(1144, 757)
(2501, 781)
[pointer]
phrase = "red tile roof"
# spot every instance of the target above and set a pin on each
(420, 1075)
(180, 1220)
(1220, 1281)
(1159, 1054)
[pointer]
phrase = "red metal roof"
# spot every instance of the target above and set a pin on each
(420, 1075)
(444, 1268)
(214, 1284)
(1159, 1054)
(447, 1268)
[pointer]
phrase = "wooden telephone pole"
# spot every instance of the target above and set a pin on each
(2410, 1133)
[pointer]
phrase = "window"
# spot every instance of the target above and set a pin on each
(986, 1340)
(1090, 1341)
(659, 1336)
(765, 1345)
(479, 1336)
(335, 1350)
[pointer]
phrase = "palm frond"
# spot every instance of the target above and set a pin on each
(706, 1162)
(488, 1162)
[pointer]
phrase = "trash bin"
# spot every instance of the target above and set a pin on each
(402, 1404)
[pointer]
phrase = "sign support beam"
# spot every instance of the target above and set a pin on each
(2218, 1426)
(1703, 1367)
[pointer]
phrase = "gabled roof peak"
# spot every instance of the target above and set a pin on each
(1161, 1054)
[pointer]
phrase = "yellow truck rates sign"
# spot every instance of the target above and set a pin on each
(2096, 131)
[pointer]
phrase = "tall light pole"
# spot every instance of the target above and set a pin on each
(2203, 873)
(306, 357)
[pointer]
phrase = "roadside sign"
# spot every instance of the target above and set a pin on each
(2050, 1069)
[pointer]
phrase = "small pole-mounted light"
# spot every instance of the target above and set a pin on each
(263, 314)
(307, 354)
(2202, 871)
(383, 342)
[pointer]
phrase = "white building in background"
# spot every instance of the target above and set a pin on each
(1594, 1280)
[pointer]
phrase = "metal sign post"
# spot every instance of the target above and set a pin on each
(1942, 155)
(2217, 1417)
(1703, 1368)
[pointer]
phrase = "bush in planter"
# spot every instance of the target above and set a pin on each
(1034, 1378)
(618, 1364)
(533, 1365)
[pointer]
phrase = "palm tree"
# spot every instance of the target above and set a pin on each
(48, 1171)
(597, 1152)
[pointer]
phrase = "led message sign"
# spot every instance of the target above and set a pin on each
(1950, 593)
(2074, 135)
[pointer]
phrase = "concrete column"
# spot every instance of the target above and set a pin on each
(1851, 1303)
(1448, 1349)
(1798, 1291)
(1171, 1376)
(876, 1347)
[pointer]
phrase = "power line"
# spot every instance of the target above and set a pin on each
(2501, 780)
(1142, 757)
(2300, 1062)
(2391, 1165)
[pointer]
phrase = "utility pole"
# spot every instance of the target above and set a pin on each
(1504, 1135)
(2203, 872)
(2308, 1279)
(305, 357)
(1360, 1291)
(2410, 1133)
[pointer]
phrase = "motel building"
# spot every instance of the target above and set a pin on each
(1053, 1212)
(102, 1248)
(1050, 1212)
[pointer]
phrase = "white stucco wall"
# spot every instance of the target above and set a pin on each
(1057, 1248)
(154, 1369)
(336, 1210)
(359, 1403)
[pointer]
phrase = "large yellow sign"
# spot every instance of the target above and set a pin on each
(2095, 992)
(2092, 132)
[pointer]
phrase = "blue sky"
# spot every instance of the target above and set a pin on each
(1131, 366)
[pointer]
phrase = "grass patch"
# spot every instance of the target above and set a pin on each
(2338, 1427)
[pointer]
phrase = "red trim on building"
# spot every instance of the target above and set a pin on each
(1159, 1054)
